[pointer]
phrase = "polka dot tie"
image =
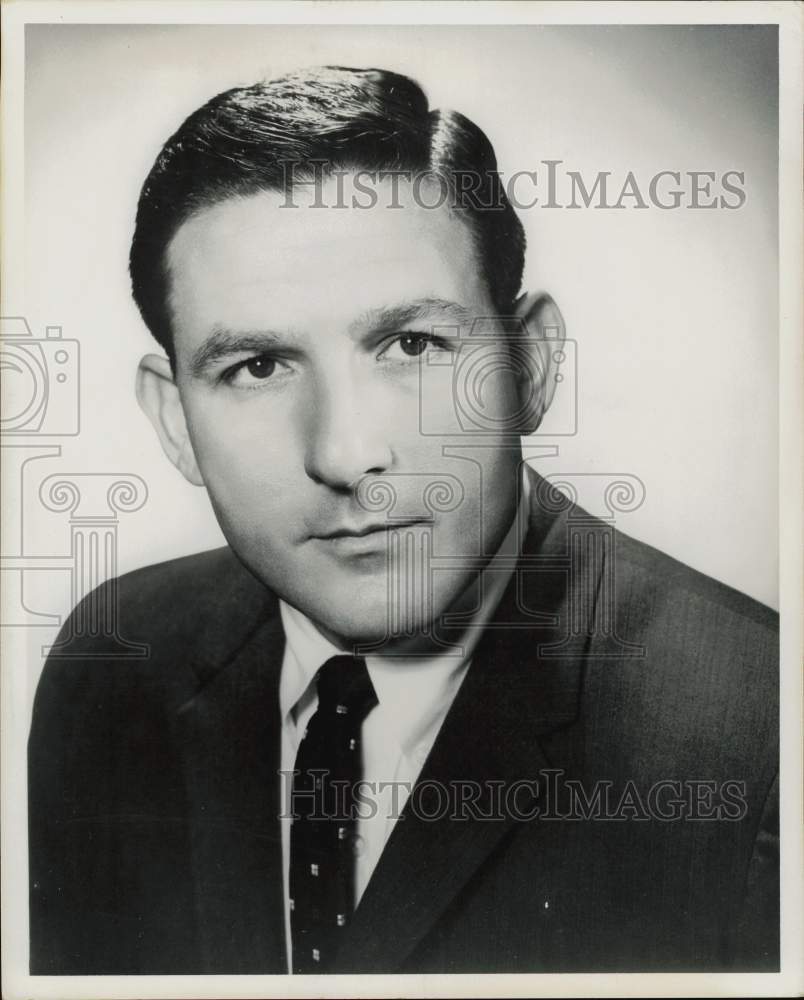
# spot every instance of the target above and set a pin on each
(323, 840)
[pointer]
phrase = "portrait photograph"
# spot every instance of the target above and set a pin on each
(401, 452)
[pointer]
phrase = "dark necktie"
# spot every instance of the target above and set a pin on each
(329, 762)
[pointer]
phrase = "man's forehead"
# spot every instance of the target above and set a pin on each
(265, 252)
(315, 220)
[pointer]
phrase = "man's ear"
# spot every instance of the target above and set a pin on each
(159, 398)
(546, 334)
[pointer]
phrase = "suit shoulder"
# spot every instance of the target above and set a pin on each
(194, 608)
(663, 576)
(692, 655)
(643, 575)
(201, 574)
(688, 666)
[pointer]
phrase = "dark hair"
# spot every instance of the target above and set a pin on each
(244, 140)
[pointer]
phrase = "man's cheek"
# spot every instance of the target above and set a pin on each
(252, 496)
(231, 449)
(436, 399)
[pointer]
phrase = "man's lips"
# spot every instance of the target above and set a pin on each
(363, 530)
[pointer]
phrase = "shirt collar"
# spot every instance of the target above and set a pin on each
(418, 688)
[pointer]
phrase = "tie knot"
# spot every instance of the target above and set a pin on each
(345, 688)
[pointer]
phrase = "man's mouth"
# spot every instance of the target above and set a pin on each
(365, 530)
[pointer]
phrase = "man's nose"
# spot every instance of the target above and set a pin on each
(347, 435)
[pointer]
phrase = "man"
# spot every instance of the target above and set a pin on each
(421, 714)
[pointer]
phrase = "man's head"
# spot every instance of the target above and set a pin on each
(314, 254)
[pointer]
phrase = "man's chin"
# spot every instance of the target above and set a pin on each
(369, 610)
(353, 627)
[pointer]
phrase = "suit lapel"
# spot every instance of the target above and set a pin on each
(511, 696)
(229, 738)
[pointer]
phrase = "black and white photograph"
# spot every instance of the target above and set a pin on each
(401, 443)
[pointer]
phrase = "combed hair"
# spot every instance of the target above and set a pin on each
(252, 139)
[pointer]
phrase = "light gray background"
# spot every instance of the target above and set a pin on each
(674, 312)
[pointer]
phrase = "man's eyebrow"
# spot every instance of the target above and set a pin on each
(222, 343)
(390, 318)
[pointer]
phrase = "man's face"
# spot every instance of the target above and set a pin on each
(308, 372)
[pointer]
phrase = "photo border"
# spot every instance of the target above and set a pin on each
(790, 980)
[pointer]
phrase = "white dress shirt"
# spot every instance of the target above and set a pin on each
(414, 695)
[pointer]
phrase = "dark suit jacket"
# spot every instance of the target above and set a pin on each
(154, 838)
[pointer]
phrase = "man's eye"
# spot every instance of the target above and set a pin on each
(412, 345)
(246, 373)
(260, 367)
